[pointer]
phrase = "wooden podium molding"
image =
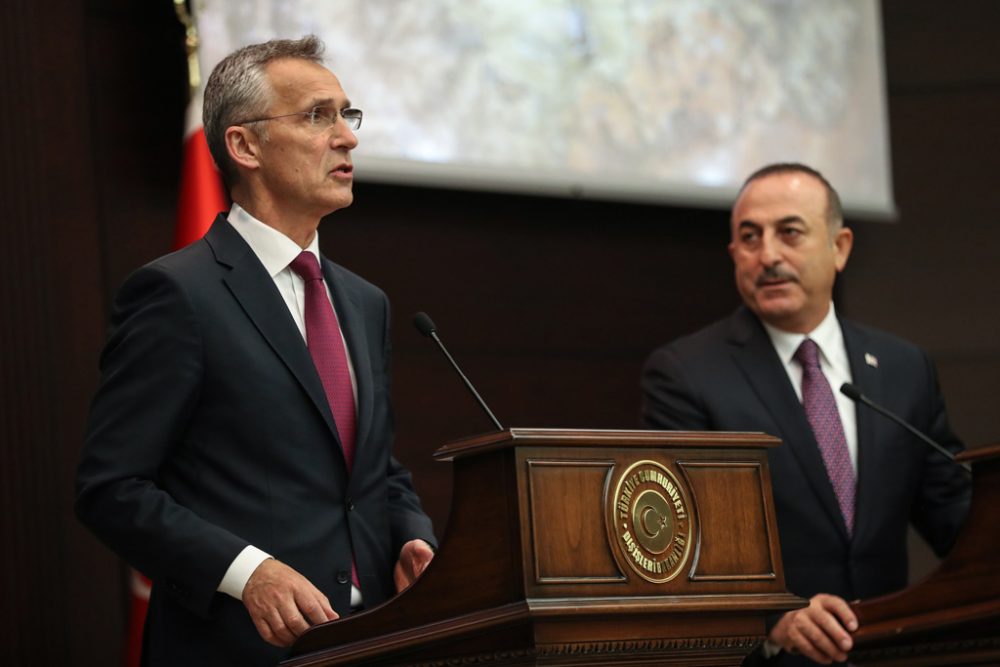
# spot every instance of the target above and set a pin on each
(952, 617)
(585, 548)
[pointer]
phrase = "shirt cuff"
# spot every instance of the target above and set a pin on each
(239, 571)
(356, 600)
(770, 649)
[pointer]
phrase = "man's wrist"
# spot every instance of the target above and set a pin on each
(240, 571)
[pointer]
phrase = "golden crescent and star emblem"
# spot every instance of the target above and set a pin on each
(651, 521)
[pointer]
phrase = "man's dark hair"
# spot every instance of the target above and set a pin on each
(834, 211)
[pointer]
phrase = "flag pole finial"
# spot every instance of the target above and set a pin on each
(191, 42)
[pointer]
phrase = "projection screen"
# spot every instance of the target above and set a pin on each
(658, 101)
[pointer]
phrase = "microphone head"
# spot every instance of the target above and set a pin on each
(850, 391)
(422, 321)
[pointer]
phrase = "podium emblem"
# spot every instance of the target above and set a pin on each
(651, 522)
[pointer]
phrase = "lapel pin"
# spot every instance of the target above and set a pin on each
(871, 360)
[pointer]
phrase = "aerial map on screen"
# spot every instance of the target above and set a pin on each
(671, 101)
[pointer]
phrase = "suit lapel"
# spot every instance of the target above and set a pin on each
(865, 376)
(351, 316)
(760, 364)
(256, 293)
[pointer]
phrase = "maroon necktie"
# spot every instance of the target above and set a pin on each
(821, 411)
(329, 354)
(326, 345)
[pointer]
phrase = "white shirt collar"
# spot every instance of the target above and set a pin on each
(274, 250)
(827, 336)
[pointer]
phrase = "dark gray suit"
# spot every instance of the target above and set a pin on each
(728, 377)
(211, 431)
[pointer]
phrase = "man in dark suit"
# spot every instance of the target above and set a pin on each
(846, 482)
(239, 446)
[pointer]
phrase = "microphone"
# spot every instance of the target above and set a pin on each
(853, 393)
(425, 325)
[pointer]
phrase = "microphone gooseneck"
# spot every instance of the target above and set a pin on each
(853, 393)
(425, 326)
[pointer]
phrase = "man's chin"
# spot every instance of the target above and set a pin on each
(342, 200)
(776, 311)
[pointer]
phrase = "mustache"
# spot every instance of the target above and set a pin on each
(772, 273)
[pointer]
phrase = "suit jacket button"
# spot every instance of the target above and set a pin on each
(343, 577)
(350, 505)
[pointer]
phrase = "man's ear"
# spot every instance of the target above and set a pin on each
(243, 146)
(843, 241)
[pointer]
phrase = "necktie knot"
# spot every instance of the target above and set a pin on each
(808, 354)
(306, 266)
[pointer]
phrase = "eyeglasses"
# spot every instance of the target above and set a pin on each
(320, 118)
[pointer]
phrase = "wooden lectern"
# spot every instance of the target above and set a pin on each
(953, 616)
(585, 548)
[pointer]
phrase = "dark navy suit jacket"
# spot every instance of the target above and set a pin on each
(728, 377)
(211, 431)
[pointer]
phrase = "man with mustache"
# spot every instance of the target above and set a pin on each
(239, 450)
(846, 482)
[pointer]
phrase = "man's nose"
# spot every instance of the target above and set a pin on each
(770, 250)
(344, 137)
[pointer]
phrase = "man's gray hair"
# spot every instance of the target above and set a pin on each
(238, 90)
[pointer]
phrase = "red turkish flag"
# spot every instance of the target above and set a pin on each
(202, 196)
(138, 604)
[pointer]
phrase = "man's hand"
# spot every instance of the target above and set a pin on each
(819, 631)
(283, 604)
(413, 558)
